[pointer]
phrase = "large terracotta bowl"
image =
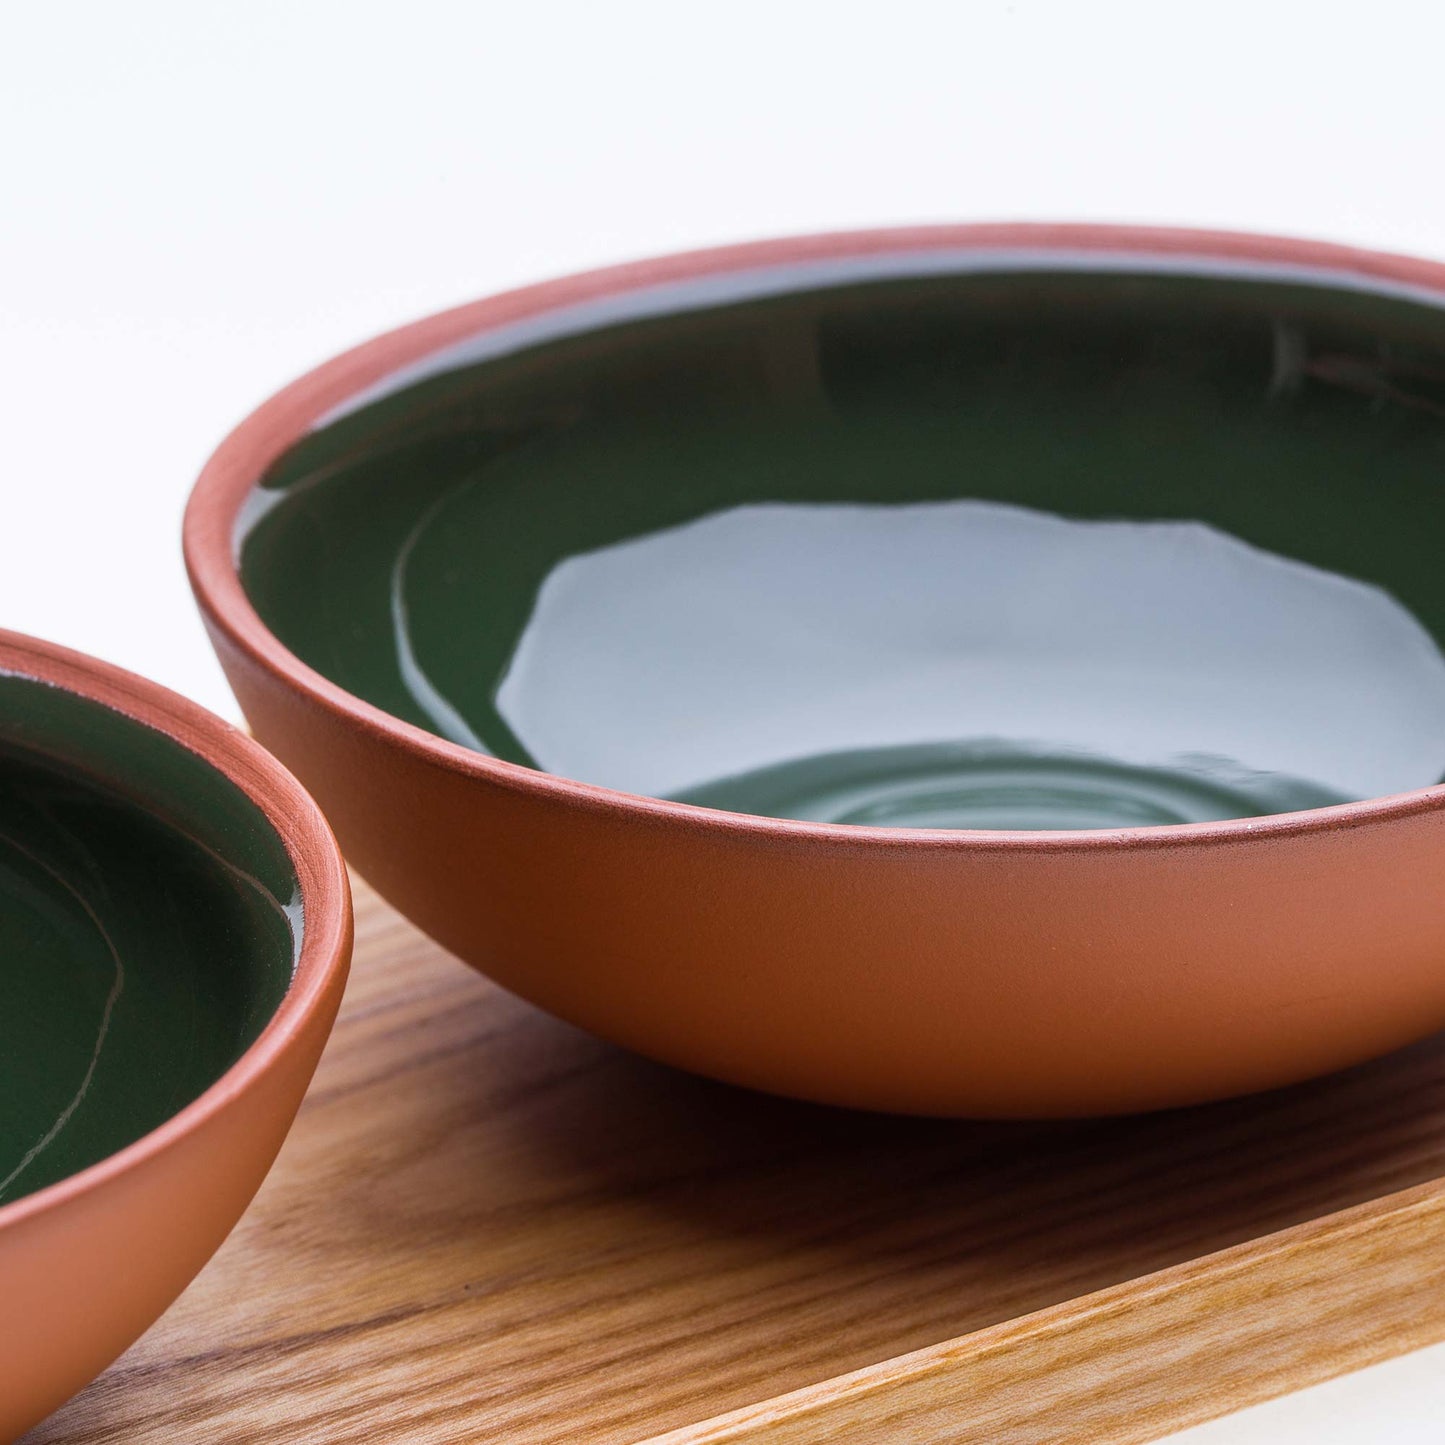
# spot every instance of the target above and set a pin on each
(988, 670)
(175, 928)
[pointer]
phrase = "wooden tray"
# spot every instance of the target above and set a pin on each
(489, 1227)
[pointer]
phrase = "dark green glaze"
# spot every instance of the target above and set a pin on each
(1305, 419)
(146, 930)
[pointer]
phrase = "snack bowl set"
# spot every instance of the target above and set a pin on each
(987, 672)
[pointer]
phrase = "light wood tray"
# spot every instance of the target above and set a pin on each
(489, 1227)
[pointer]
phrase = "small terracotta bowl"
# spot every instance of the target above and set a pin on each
(175, 928)
(987, 671)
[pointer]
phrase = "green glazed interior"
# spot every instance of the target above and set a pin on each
(149, 922)
(1059, 542)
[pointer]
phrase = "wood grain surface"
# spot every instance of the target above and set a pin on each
(487, 1226)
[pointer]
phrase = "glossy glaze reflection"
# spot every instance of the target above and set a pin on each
(138, 955)
(1029, 550)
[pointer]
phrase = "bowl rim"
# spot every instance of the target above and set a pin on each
(323, 960)
(244, 456)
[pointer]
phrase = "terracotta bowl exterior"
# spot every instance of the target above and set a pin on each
(996, 974)
(89, 1262)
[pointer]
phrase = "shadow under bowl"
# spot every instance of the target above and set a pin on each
(979, 670)
(175, 928)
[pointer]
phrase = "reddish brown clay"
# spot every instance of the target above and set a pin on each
(88, 1263)
(1000, 974)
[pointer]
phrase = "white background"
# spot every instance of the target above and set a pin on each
(199, 201)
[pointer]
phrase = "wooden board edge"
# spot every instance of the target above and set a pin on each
(1148, 1357)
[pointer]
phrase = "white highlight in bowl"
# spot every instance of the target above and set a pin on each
(780, 631)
